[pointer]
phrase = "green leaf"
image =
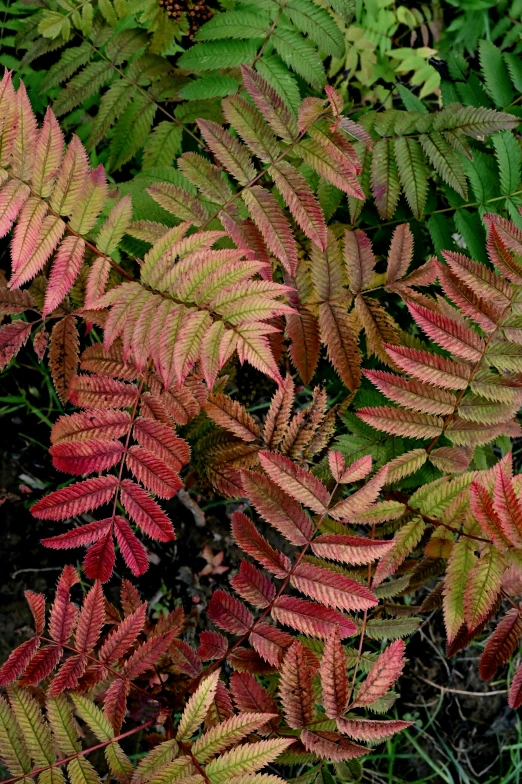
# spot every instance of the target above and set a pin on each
(441, 230)
(69, 62)
(392, 628)
(469, 225)
(93, 717)
(514, 66)
(209, 87)
(279, 77)
(112, 105)
(445, 161)
(386, 188)
(413, 173)
(35, 730)
(51, 24)
(62, 724)
(131, 131)
(87, 82)
(300, 56)
(483, 176)
(197, 707)
(317, 23)
(234, 24)
(214, 55)
(411, 102)
(507, 152)
(162, 146)
(496, 74)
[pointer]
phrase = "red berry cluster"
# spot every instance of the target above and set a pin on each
(197, 12)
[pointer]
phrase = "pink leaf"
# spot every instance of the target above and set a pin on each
(65, 270)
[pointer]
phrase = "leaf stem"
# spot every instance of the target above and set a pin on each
(268, 609)
(83, 753)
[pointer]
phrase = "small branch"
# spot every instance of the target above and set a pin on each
(268, 609)
(269, 34)
(189, 503)
(143, 92)
(446, 209)
(259, 176)
(461, 691)
(102, 664)
(186, 750)
(83, 753)
(434, 522)
(363, 630)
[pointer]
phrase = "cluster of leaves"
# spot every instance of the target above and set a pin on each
(316, 244)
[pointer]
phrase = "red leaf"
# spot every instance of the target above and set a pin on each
(270, 643)
(115, 703)
(36, 602)
(68, 675)
(124, 636)
(229, 613)
(250, 696)
(85, 425)
(484, 512)
(12, 337)
(100, 558)
(129, 597)
(145, 512)
(354, 550)
(359, 259)
(161, 439)
(132, 550)
(63, 355)
(332, 589)
(185, 658)
(86, 457)
(99, 392)
(91, 619)
(75, 499)
(400, 253)
(331, 746)
(295, 688)
(371, 729)
(508, 507)
(362, 499)
(253, 586)
(251, 541)
(147, 655)
(84, 534)
(156, 475)
(311, 619)
(303, 330)
(277, 507)
(336, 463)
(212, 645)
(18, 660)
(515, 691)
(63, 612)
(358, 470)
(42, 665)
(334, 680)
(296, 481)
(65, 269)
(501, 644)
(382, 676)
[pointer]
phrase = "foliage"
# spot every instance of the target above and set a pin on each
(206, 200)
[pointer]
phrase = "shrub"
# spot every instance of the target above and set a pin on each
(310, 243)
